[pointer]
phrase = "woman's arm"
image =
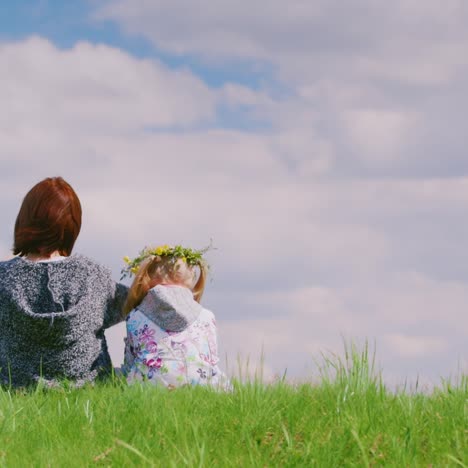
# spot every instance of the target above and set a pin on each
(115, 302)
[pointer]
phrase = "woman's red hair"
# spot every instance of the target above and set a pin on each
(49, 219)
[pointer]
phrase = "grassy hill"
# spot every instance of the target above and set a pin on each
(349, 419)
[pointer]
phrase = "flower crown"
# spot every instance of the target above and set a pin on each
(190, 256)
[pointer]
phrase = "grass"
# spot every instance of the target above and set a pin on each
(349, 419)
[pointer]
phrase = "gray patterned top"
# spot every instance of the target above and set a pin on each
(52, 319)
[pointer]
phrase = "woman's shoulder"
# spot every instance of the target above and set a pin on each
(16, 266)
(82, 263)
(8, 262)
(73, 261)
(7, 266)
(86, 261)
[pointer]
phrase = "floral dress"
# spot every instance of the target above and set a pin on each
(184, 354)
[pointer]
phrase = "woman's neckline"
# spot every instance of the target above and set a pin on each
(58, 258)
(54, 259)
(54, 256)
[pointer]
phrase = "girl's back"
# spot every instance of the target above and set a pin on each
(171, 340)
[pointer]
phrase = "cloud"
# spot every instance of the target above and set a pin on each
(379, 136)
(415, 346)
(417, 325)
(92, 89)
(375, 87)
(421, 35)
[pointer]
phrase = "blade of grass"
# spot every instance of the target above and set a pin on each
(134, 450)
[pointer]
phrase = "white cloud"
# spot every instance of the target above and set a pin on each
(419, 334)
(416, 346)
(93, 88)
(367, 81)
(314, 36)
(379, 135)
(411, 300)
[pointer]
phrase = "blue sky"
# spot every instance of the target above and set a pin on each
(320, 145)
(65, 23)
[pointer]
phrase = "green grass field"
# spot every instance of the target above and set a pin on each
(349, 419)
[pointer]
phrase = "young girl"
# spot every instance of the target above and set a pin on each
(171, 339)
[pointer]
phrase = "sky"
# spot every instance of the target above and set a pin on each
(320, 145)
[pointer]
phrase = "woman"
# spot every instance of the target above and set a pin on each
(54, 306)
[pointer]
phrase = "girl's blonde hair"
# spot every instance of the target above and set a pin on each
(158, 270)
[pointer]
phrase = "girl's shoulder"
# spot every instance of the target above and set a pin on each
(207, 316)
(140, 318)
(170, 308)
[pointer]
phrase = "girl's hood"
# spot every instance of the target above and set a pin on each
(170, 307)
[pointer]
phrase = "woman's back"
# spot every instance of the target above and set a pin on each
(52, 319)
